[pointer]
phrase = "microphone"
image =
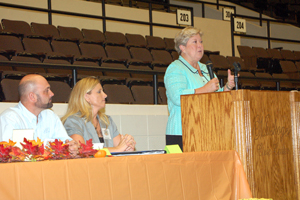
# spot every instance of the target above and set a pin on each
(209, 66)
(237, 68)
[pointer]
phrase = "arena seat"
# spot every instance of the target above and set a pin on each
(249, 57)
(88, 64)
(275, 54)
(289, 68)
(142, 54)
(18, 28)
(174, 55)
(154, 42)
(94, 51)
(248, 83)
(297, 55)
(142, 94)
(48, 31)
(204, 59)
(93, 36)
(288, 55)
(232, 59)
(266, 85)
(70, 33)
(10, 89)
(70, 50)
(135, 40)
(120, 54)
(115, 38)
(61, 91)
(220, 62)
(161, 57)
(118, 94)
(284, 85)
(116, 66)
(170, 44)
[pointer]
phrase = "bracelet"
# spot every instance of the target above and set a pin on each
(228, 86)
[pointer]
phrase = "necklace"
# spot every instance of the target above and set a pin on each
(96, 128)
(198, 71)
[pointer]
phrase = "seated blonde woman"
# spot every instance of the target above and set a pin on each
(84, 119)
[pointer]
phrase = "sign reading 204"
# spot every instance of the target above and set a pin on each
(239, 25)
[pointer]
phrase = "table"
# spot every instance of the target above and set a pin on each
(197, 175)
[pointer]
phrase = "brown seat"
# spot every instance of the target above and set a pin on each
(261, 52)
(42, 49)
(118, 94)
(120, 54)
(248, 83)
(249, 57)
(289, 68)
(62, 71)
(204, 59)
(94, 51)
(170, 44)
(275, 54)
(15, 27)
(288, 55)
(284, 85)
(82, 71)
(161, 57)
(115, 38)
(142, 94)
(135, 40)
(70, 33)
(175, 55)
(70, 50)
(10, 45)
(141, 54)
(10, 89)
(297, 55)
(28, 60)
(115, 73)
(47, 30)
(233, 59)
(154, 42)
(266, 85)
(61, 91)
(220, 62)
(93, 36)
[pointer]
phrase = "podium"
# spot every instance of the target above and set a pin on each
(262, 126)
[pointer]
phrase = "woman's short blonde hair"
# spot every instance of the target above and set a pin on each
(184, 35)
(78, 103)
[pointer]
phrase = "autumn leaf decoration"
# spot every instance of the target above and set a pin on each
(35, 151)
(86, 150)
(4, 153)
(59, 150)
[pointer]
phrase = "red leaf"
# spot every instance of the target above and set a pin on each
(60, 150)
(86, 150)
(4, 153)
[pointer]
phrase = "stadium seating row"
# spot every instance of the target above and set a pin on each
(137, 92)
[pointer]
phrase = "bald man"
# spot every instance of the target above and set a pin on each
(32, 113)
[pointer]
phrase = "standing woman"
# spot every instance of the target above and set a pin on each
(187, 76)
(84, 119)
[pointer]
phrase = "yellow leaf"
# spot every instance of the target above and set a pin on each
(36, 143)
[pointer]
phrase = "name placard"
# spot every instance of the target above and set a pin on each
(239, 25)
(183, 17)
(19, 135)
(227, 13)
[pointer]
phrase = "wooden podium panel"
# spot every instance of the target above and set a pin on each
(262, 126)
